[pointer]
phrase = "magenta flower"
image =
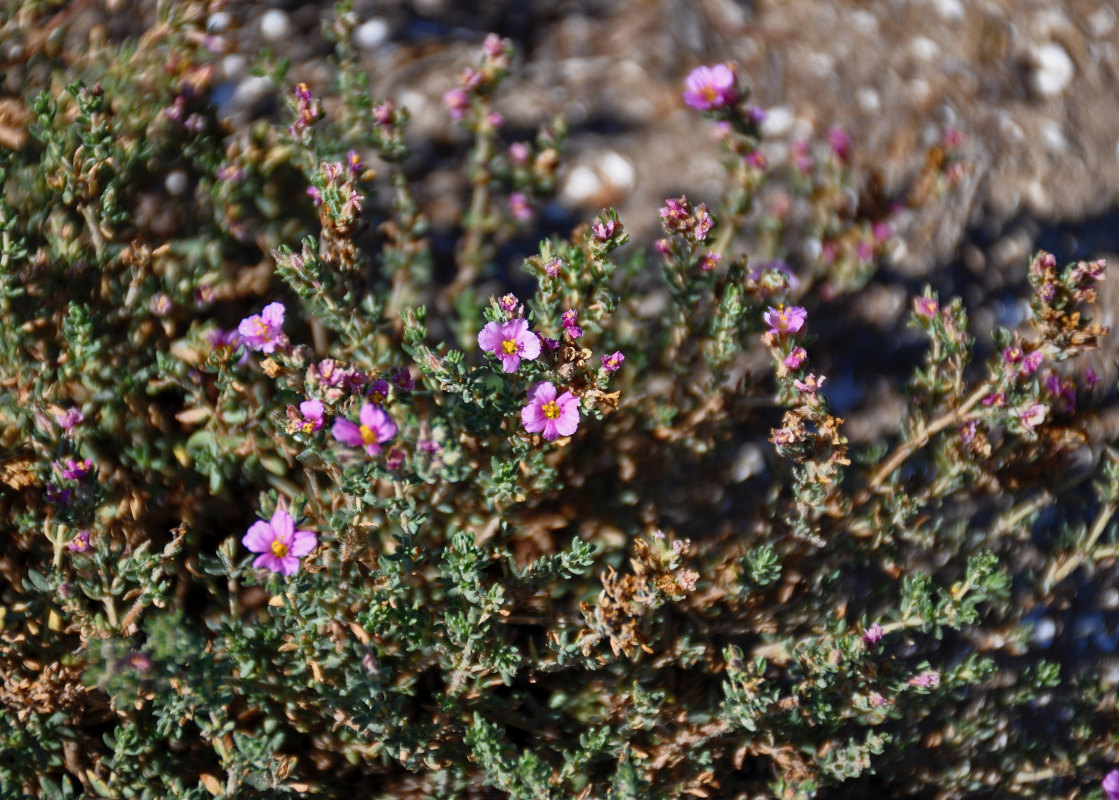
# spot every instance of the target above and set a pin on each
(457, 101)
(402, 379)
(518, 153)
(783, 320)
(613, 362)
(1090, 377)
(263, 331)
(375, 429)
(874, 634)
(80, 543)
(571, 323)
(1111, 785)
(709, 88)
(312, 411)
(378, 392)
(354, 161)
(509, 341)
(794, 359)
(810, 384)
(604, 230)
(519, 207)
(552, 268)
(840, 142)
(548, 343)
(508, 303)
(549, 415)
(76, 470)
(280, 545)
(1033, 416)
(925, 307)
(69, 419)
(315, 195)
(1030, 363)
(926, 680)
(710, 261)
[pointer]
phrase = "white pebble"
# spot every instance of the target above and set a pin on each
(234, 66)
(1044, 631)
(1054, 69)
(175, 183)
(617, 170)
(371, 34)
(275, 24)
(581, 185)
(867, 99)
(219, 22)
(778, 122)
(865, 21)
(1053, 137)
(1102, 22)
(949, 9)
(924, 48)
(748, 462)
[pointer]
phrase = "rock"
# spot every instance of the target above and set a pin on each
(778, 122)
(581, 185)
(219, 22)
(176, 182)
(1053, 70)
(275, 25)
(949, 9)
(923, 48)
(371, 34)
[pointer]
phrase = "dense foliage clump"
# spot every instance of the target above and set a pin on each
(294, 502)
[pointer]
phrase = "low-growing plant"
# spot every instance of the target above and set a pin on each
(296, 503)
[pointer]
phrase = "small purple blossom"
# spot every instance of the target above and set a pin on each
(312, 411)
(704, 222)
(160, 304)
(1033, 416)
(1012, 355)
(1064, 393)
(69, 419)
(76, 470)
(548, 343)
(604, 230)
(494, 46)
(874, 634)
(613, 362)
(810, 384)
(571, 323)
(549, 415)
(783, 320)
(263, 331)
(394, 458)
(354, 162)
(553, 267)
(519, 207)
(509, 341)
(457, 101)
(375, 428)
(709, 261)
(508, 303)
(80, 543)
(802, 157)
(402, 379)
(280, 545)
(1031, 363)
(794, 359)
(518, 153)
(925, 307)
(840, 142)
(926, 680)
(1110, 785)
(378, 392)
(756, 115)
(1090, 377)
(664, 247)
(996, 399)
(709, 88)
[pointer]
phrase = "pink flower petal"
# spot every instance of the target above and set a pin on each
(347, 432)
(490, 337)
(302, 543)
(267, 561)
(509, 361)
(542, 392)
(259, 537)
(289, 565)
(273, 315)
(283, 525)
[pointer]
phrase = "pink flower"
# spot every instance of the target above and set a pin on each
(315, 195)
(840, 142)
(794, 359)
(756, 114)
(1111, 785)
(1033, 416)
(80, 543)
(926, 680)
(1090, 377)
(604, 230)
(354, 161)
(457, 101)
(1064, 393)
(312, 411)
(378, 392)
(925, 307)
(548, 343)
(802, 158)
(279, 544)
(1012, 355)
(996, 399)
(810, 384)
(69, 419)
(874, 634)
(518, 153)
(519, 207)
(571, 323)
(263, 331)
(394, 458)
(508, 304)
(402, 379)
(708, 88)
(375, 429)
(509, 341)
(552, 268)
(550, 415)
(76, 470)
(785, 320)
(1030, 363)
(613, 362)
(710, 261)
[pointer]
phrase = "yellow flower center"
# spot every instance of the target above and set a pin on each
(279, 549)
(709, 94)
(308, 426)
(261, 328)
(550, 409)
(368, 435)
(509, 346)
(376, 398)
